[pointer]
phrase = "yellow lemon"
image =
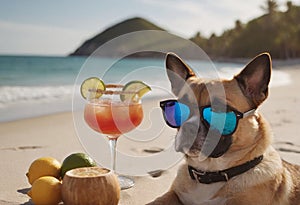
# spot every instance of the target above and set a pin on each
(45, 191)
(45, 166)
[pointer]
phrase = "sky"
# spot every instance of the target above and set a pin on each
(58, 27)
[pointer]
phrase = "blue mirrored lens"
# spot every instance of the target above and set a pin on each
(224, 122)
(176, 113)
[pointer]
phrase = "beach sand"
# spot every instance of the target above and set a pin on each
(54, 135)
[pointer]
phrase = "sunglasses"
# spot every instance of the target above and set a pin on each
(176, 113)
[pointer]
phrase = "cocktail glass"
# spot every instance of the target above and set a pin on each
(113, 117)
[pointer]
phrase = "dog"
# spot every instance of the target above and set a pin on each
(235, 165)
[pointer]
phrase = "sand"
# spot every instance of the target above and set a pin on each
(54, 135)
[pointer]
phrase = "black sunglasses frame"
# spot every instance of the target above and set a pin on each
(162, 105)
(239, 115)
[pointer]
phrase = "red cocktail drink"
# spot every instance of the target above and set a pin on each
(113, 118)
(113, 110)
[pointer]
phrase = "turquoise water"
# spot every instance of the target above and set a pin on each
(32, 86)
(32, 71)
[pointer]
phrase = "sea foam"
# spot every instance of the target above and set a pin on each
(13, 94)
(17, 102)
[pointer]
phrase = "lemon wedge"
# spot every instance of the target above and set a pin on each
(91, 88)
(134, 90)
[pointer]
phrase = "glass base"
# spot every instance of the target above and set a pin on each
(125, 182)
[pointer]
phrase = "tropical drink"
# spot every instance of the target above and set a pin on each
(113, 118)
(113, 110)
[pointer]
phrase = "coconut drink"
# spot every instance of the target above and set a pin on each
(90, 186)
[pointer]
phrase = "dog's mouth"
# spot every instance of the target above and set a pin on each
(192, 153)
(187, 143)
(197, 146)
(206, 143)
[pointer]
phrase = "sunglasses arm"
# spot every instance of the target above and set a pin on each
(248, 113)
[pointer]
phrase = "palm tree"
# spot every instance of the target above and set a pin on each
(271, 6)
(238, 25)
(289, 5)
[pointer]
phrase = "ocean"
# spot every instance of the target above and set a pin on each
(33, 86)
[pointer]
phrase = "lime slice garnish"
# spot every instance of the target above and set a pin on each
(134, 89)
(91, 88)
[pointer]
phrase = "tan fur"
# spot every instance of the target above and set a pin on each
(272, 182)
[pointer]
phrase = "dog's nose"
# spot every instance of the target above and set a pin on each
(187, 134)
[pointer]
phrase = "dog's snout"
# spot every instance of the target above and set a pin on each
(187, 134)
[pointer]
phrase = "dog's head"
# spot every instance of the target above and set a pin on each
(225, 98)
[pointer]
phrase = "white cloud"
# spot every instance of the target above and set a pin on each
(187, 6)
(37, 40)
(185, 18)
(181, 17)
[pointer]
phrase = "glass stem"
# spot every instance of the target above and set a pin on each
(112, 145)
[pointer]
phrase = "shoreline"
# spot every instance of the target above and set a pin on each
(13, 111)
(289, 68)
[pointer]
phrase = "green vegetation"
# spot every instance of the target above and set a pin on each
(276, 32)
(146, 45)
(127, 26)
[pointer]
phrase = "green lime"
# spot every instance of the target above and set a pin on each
(76, 160)
(134, 89)
(91, 88)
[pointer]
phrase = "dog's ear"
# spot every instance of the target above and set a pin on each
(177, 71)
(255, 77)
